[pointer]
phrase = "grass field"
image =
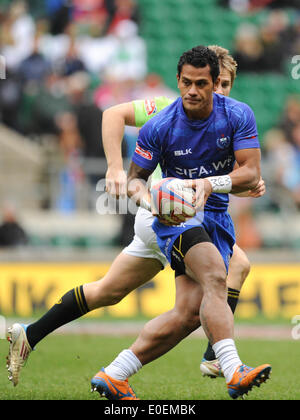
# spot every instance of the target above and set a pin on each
(62, 366)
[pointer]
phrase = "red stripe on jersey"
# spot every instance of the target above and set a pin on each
(144, 153)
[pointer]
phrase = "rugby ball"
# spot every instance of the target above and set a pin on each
(171, 197)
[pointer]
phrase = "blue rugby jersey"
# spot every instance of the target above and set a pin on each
(190, 149)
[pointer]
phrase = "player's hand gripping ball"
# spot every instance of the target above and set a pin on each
(172, 201)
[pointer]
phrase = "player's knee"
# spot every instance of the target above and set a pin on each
(179, 324)
(107, 296)
(190, 321)
(216, 278)
(162, 334)
(116, 296)
(239, 270)
(244, 268)
(186, 314)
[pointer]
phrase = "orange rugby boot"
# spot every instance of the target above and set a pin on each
(111, 388)
(245, 377)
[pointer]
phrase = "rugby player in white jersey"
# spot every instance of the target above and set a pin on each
(142, 259)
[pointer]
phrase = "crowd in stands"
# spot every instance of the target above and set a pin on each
(96, 38)
(11, 232)
(67, 61)
(283, 154)
(265, 48)
(246, 6)
(281, 172)
(76, 58)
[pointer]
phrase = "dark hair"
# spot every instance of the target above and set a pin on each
(200, 56)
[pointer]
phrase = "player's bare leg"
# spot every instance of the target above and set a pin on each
(217, 321)
(207, 266)
(239, 268)
(162, 333)
(126, 274)
(165, 331)
(157, 337)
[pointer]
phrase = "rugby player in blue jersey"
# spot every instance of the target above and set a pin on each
(133, 266)
(217, 131)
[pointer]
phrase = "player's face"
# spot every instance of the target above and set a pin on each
(196, 88)
(223, 85)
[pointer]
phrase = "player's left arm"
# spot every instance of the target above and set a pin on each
(256, 192)
(247, 176)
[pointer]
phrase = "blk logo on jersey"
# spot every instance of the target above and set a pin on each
(183, 152)
(144, 153)
(150, 106)
(223, 142)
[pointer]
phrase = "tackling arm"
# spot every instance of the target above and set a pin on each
(113, 124)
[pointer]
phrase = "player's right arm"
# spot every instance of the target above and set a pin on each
(113, 124)
(137, 188)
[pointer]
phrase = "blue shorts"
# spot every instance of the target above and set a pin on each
(218, 225)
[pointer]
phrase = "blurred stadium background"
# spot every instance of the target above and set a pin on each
(63, 63)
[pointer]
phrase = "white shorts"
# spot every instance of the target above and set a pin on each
(144, 243)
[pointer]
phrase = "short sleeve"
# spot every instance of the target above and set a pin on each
(245, 130)
(147, 150)
(145, 109)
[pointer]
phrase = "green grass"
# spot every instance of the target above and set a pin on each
(256, 320)
(61, 368)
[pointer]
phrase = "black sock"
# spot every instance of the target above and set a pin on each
(232, 299)
(71, 306)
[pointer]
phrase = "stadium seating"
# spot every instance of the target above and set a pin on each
(172, 26)
(169, 27)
